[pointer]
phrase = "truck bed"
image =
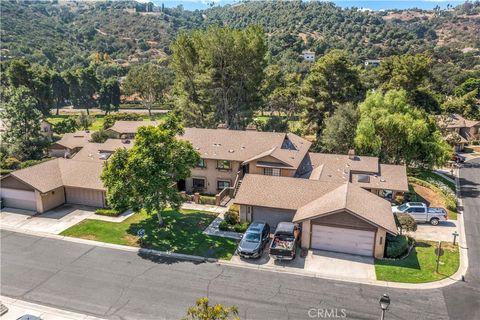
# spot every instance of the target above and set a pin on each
(282, 243)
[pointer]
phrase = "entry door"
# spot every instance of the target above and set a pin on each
(343, 240)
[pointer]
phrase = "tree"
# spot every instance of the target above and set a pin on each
(23, 136)
(467, 86)
(218, 75)
(339, 133)
(110, 119)
(203, 311)
(74, 92)
(333, 80)
(467, 105)
(405, 222)
(101, 136)
(150, 81)
(59, 90)
(19, 73)
(109, 95)
(399, 133)
(89, 85)
(66, 125)
(84, 121)
(146, 175)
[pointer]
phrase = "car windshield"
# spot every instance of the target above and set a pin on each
(252, 237)
(403, 207)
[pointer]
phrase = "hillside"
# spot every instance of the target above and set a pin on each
(63, 33)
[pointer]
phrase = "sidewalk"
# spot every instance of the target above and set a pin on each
(213, 230)
(18, 308)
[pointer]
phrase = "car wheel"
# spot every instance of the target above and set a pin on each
(434, 222)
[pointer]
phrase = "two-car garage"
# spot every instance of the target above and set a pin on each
(354, 241)
(88, 197)
(17, 198)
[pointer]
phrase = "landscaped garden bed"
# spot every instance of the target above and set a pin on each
(182, 233)
(420, 265)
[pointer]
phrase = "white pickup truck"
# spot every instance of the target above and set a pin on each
(422, 213)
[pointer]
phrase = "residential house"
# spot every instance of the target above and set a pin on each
(458, 128)
(308, 55)
(46, 128)
(127, 129)
(69, 144)
(372, 63)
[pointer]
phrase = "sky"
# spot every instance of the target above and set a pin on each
(369, 4)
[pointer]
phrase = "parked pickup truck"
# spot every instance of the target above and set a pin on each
(421, 213)
(284, 243)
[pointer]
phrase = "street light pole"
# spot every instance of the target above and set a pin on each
(384, 303)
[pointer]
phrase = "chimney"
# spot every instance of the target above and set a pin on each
(251, 127)
(351, 154)
(222, 126)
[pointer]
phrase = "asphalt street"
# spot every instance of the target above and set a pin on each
(123, 285)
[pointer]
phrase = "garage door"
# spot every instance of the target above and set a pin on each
(20, 199)
(343, 240)
(272, 216)
(86, 197)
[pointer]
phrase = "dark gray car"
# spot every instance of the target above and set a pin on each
(254, 240)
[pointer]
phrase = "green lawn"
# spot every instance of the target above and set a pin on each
(420, 265)
(182, 233)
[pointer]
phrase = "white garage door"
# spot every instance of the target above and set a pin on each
(86, 197)
(343, 240)
(20, 199)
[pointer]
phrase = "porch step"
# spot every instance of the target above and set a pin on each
(236, 188)
(225, 201)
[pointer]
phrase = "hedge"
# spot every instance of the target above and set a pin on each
(396, 246)
(108, 212)
(208, 200)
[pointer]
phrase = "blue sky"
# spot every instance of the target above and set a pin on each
(371, 4)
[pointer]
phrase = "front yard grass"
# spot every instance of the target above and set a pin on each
(420, 265)
(182, 233)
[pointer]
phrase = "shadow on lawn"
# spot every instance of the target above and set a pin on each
(182, 233)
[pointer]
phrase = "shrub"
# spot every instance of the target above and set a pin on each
(208, 200)
(102, 135)
(451, 202)
(109, 120)
(232, 217)
(405, 222)
(224, 226)
(240, 227)
(66, 125)
(234, 208)
(396, 246)
(108, 212)
(11, 163)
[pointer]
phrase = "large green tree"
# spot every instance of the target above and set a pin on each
(23, 137)
(218, 75)
(60, 91)
(150, 81)
(333, 80)
(146, 175)
(399, 133)
(88, 87)
(109, 95)
(339, 133)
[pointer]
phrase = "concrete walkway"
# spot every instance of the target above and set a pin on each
(213, 230)
(18, 308)
(204, 207)
(54, 221)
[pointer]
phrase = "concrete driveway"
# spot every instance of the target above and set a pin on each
(53, 221)
(441, 232)
(322, 263)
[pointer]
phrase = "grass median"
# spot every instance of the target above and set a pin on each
(420, 265)
(182, 233)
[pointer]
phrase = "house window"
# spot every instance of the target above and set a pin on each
(223, 164)
(198, 184)
(201, 163)
(271, 172)
(222, 184)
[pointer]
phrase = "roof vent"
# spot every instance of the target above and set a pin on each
(383, 180)
(222, 126)
(351, 154)
(231, 151)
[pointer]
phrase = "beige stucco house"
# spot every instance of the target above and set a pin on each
(69, 144)
(457, 128)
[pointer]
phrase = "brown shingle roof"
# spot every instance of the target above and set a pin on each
(93, 151)
(59, 172)
(311, 198)
(336, 167)
(122, 126)
(74, 140)
(455, 120)
(354, 199)
(389, 177)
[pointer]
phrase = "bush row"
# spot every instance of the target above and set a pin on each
(108, 212)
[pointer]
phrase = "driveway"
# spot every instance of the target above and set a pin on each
(441, 232)
(322, 263)
(54, 221)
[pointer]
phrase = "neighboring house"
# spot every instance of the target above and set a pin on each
(308, 55)
(52, 183)
(334, 216)
(100, 152)
(372, 63)
(459, 129)
(46, 128)
(127, 129)
(69, 144)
